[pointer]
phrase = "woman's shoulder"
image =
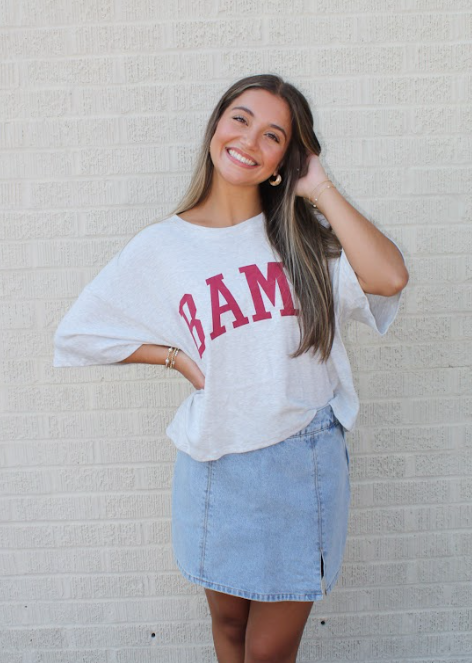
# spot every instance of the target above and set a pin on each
(153, 232)
(148, 245)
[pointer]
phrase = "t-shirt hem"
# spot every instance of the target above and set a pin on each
(216, 455)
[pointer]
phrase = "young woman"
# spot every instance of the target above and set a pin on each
(244, 290)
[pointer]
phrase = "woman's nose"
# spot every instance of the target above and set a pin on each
(250, 138)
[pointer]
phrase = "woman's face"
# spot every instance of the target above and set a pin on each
(251, 138)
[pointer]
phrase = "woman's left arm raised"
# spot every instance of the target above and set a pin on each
(377, 262)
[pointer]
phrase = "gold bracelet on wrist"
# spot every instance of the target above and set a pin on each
(169, 352)
(329, 186)
(176, 352)
(318, 186)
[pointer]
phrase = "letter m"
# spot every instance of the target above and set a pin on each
(275, 278)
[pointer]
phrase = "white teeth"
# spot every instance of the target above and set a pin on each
(237, 156)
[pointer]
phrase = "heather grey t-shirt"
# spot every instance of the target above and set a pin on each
(222, 296)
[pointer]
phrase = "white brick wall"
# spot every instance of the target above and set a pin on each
(102, 108)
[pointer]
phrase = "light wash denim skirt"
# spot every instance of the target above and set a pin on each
(269, 524)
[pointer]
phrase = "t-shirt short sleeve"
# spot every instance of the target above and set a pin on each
(120, 310)
(352, 303)
(95, 331)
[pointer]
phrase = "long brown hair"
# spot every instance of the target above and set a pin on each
(293, 229)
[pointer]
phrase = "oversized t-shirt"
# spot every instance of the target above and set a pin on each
(224, 298)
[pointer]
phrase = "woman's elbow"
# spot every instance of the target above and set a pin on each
(400, 282)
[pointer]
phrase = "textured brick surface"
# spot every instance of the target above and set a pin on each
(102, 108)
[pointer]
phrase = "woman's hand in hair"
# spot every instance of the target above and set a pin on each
(189, 369)
(315, 175)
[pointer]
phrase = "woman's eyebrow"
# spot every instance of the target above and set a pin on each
(276, 126)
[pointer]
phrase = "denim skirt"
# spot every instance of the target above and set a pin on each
(269, 524)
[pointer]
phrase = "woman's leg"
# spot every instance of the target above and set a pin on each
(228, 621)
(274, 631)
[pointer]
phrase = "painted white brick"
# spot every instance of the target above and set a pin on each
(188, 96)
(106, 424)
(215, 34)
(12, 194)
(18, 104)
(122, 100)
(441, 240)
(24, 343)
(300, 30)
(14, 254)
(32, 43)
(119, 222)
(22, 225)
(119, 39)
(85, 71)
(42, 12)
(353, 7)
(19, 372)
(8, 13)
(435, 5)
(441, 57)
(155, 449)
(48, 454)
(414, 356)
(229, 8)
(9, 75)
(424, 438)
(144, 10)
(27, 165)
(165, 68)
(122, 395)
(24, 285)
(46, 398)
(78, 253)
(59, 133)
(16, 315)
(421, 90)
(414, 152)
(444, 120)
(121, 161)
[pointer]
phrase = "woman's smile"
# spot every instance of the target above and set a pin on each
(241, 158)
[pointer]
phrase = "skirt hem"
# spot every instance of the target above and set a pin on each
(256, 596)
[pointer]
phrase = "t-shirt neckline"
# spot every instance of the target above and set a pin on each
(253, 220)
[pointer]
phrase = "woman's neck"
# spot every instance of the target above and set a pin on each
(226, 205)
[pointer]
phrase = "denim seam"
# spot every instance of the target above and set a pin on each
(205, 517)
(306, 596)
(306, 433)
(320, 524)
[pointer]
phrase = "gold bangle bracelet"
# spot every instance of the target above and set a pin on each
(176, 352)
(169, 352)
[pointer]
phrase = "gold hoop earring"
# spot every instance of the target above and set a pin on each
(277, 180)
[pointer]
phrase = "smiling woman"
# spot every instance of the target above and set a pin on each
(247, 147)
(244, 289)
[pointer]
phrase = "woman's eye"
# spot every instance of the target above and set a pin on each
(243, 119)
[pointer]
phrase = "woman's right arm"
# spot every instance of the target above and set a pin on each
(157, 354)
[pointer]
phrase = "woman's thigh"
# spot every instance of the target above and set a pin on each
(274, 630)
(227, 610)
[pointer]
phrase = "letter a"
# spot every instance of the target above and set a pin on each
(216, 287)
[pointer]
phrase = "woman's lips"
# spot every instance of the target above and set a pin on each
(240, 163)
